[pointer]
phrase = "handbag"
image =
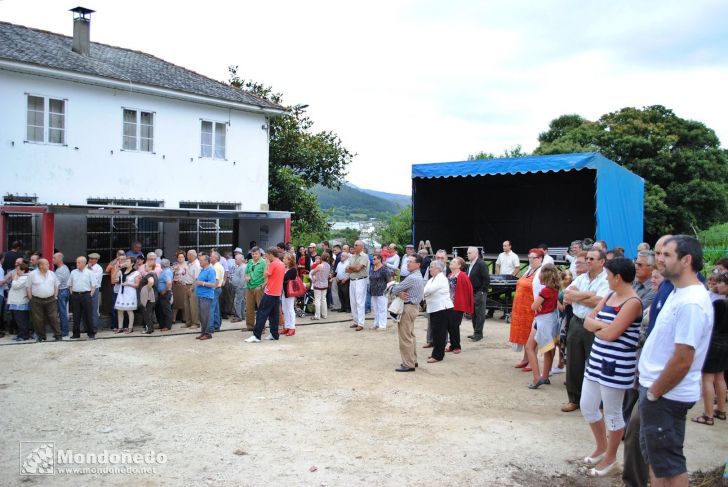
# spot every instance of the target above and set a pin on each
(295, 288)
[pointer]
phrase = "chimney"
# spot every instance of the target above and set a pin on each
(82, 30)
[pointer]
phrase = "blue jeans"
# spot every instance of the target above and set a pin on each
(63, 311)
(205, 308)
(270, 307)
(216, 321)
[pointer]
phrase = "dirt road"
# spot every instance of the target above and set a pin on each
(322, 408)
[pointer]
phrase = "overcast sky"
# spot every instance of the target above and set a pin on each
(406, 82)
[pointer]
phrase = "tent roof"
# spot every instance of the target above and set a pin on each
(517, 165)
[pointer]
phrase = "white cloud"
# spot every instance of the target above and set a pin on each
(405, 82)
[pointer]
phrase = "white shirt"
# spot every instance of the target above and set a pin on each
(437, 293)
(508, 262)
(341, 273)
(18, 288)
(598, 285)
(393, 262)
(42, 286)
(2, 276)
(536, 284)
(403, 272)
(572, 264)
(81, 281)
(98, 273)
(686, 318)
(547, 259)
(193, 271)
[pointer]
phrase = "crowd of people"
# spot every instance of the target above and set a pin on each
(640, 340)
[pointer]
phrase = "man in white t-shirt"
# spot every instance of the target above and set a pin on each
(98, 273)
(507, 262)
(671, 362)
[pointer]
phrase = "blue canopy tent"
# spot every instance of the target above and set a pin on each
(528, 200)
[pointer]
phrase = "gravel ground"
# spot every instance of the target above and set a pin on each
(323, 408)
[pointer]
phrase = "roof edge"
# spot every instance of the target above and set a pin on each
(34, 69)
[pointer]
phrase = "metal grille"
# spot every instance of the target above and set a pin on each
(24, 227)
(208, 233)
(106, 234)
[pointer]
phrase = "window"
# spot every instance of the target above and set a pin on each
(106, 234)
(24, 227)
(46, 122)
(212, 139)
(138, 133)
(208, 233)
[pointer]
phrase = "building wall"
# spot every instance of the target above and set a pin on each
(266, 232)
(93, 164)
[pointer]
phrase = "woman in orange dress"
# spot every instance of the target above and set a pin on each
(521, 313)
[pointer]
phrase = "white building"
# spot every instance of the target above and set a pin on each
(117, 145)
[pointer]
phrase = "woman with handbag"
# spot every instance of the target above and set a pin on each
(320, 284)
(289, 300)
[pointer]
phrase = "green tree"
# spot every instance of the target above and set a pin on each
(684, 167)
(347, 235)
(398, 229)
(299, 159)
(515, 151)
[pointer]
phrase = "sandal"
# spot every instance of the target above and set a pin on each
(703, 419)
(540, 383)
(719, 414)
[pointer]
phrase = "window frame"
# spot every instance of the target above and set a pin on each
(138, 129)
(194, 232)
(47, 120)
(213, 146)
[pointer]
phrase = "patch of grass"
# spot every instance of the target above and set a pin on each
(710, 478)
(715, 244)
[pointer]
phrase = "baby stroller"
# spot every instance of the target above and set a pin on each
(305, 304)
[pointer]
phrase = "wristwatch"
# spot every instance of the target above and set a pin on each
(651, 397)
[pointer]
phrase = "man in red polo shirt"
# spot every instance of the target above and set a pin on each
(270, 304)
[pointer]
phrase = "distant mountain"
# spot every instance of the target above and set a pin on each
(353, 203)
(401, 200)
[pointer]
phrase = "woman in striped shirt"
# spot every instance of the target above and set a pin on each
(610, 368)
